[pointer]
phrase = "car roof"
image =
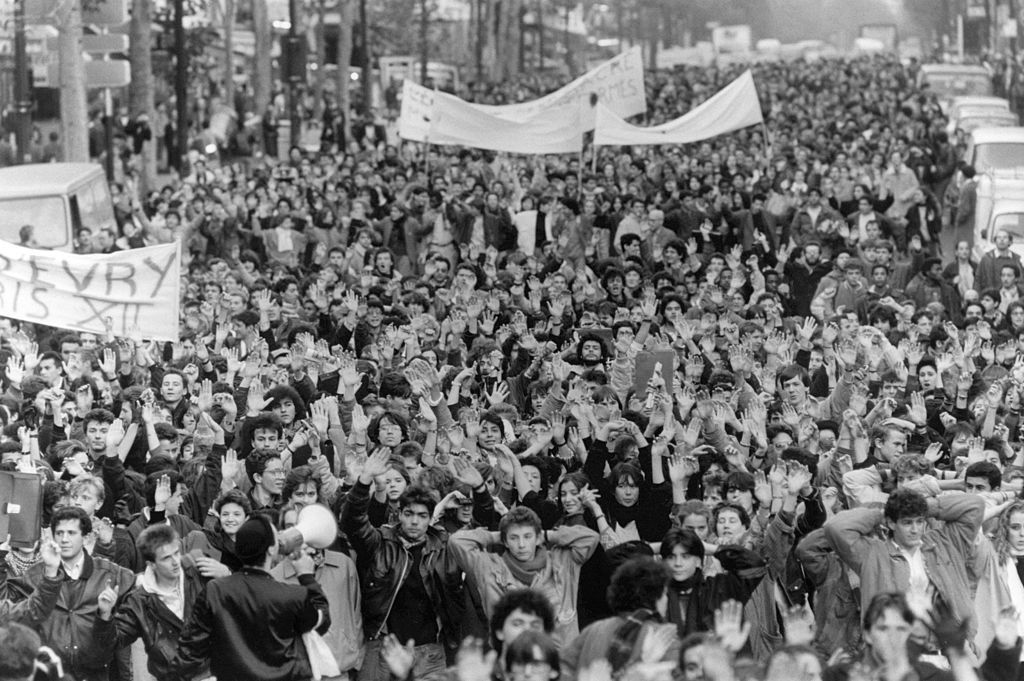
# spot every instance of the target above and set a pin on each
(987, 115)
(43, 179)
(996, 135)
(961, 69)
(978, 100)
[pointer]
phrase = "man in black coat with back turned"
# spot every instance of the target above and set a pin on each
(248, 625)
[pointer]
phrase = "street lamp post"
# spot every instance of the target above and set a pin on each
(180, 87)
(294, 53)
(364, 42)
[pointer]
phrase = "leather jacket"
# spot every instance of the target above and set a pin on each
(144, 615)
(68, 629)
(382, 561)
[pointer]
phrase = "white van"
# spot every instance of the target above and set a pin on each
(955, 80)
(999, 206)
(990, 149)
(964, 107)
(57, 200)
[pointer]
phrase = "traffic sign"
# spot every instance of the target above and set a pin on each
(104, 43)
(112, 73)
(106, 13)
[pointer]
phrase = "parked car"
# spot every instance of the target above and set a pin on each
(56, 200)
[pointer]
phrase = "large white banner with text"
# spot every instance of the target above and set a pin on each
(443, 119)
(736, 106)
(617, 83)
(130, 289)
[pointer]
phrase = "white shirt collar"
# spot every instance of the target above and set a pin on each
(74, 569)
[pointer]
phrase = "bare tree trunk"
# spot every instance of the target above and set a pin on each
(140, 91)
(263, 85)
(347, 9)
(229, 53)
(320, 45)
(507, 45)
(652, 37)
(74, 112)
(488, 38)
(476, 25)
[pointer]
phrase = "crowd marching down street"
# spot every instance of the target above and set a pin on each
(742, 408)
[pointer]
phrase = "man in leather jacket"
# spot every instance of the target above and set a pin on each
(68, 629)
(158, 607)
(411, 585)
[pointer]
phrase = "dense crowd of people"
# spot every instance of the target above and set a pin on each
(719, 412)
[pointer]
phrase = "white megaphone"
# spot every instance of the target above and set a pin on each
(315, 526)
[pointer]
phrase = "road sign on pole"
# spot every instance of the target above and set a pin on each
(108, 13)
(114, 73)
(104, 43)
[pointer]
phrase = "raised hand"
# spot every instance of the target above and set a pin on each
(376, 464)
(682, 468)
(163, 492)
(15, 370)
(319, 417)
(558, 427)
(917, 413)
(798, 623)
(399, 658)
(360, 421)
(204, 402)
(255, 402)
(103, 529)
(472, 664)
(466, 473)
(426, 412)
(500, 393)
(106, 600)
(115, 434)
(798, 477)
(49, 553)
(31, 356)
(730, 630)
(230, 465)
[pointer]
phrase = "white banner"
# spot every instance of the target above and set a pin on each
(618, 83)
(134, 288)
(731, 39)
(446, 120)
(417, 110)
(736, 106)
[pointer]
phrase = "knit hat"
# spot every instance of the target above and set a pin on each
(253, 539)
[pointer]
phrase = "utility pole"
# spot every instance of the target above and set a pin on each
(364, 39)
(22, 88)
(424, 33)
(180, 87)
(108, 127)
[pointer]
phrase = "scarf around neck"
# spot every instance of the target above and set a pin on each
(525, 571)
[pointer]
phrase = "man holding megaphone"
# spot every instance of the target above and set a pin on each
(252, 622)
